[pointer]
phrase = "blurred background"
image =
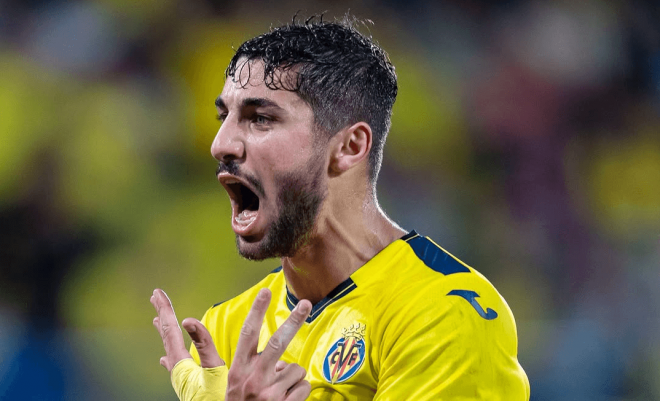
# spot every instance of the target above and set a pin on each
(525, 140)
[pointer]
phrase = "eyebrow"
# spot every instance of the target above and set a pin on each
(249, 102)
(220, 103)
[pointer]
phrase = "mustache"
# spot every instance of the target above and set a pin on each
(233, 168)
(230, 167)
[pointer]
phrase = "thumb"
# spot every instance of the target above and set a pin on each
(208, 355)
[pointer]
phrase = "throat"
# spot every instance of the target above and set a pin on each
(319, 303)
(332, 255)
(312, 284)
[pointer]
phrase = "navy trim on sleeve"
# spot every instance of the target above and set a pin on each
(435, 257)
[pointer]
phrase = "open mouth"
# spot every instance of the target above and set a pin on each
(244, 202)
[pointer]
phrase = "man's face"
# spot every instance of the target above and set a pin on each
(270, 163)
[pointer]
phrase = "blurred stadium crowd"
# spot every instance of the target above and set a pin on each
(525, 140)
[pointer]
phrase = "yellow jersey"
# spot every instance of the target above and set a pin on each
(413, 323)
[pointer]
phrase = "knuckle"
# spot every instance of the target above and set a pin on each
(300, 371)
(251, 390)
(201, 343)
(295, 367)
(247, 329)
(295, 319)
(234, 375)
(275, 342)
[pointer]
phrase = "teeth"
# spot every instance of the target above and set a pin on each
(245, 218)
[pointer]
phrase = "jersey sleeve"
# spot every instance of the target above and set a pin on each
(451, 344)
(191, 382)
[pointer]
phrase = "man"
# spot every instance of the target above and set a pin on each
(359, 308)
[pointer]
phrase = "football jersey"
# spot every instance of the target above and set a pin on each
(413, 323)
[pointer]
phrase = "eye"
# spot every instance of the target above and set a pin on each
(221, 117)
(261, 119)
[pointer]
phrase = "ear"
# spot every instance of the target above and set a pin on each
(352, 147)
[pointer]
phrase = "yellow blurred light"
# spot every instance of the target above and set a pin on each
(187, 248)
(624, 182)
(205, 53)
(428, 129)
(28, 119)
(104, 176)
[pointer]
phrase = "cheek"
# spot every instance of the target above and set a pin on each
(283, 156)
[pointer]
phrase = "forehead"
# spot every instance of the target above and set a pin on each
(248, 82)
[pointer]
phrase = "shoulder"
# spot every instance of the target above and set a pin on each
(443, 323)
(427, 267)
(434, 290)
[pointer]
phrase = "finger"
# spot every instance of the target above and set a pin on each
(284, 334)
(166, 319)
(248, 340)
(208, 354)
(299, 392)
(280, 365)
(289, 377)
(168, 328)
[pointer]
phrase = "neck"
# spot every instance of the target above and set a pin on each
(345, 238)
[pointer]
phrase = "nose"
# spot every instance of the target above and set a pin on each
(228, 144)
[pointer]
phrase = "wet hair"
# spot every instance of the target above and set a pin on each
(341, 73)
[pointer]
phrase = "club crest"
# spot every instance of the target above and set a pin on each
(346, 355)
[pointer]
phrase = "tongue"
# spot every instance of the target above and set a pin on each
(246, 217)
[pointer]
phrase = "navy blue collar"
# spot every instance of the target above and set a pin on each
(339, 292)
(336, 294)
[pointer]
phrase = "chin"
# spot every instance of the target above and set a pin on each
(251, 248)
(274, 244)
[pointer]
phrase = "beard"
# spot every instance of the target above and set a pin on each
(299, 201)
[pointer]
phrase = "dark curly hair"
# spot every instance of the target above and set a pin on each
(342, 74)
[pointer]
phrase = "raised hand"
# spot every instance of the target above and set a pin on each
(263, 376)
(190, 381)
(170, 332)
(252, 376)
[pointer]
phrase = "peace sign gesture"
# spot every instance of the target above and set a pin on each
(261, 376)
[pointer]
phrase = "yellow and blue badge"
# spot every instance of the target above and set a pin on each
(346, 355)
